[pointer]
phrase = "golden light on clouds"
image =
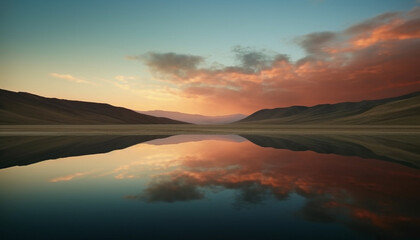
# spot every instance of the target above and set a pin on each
(71, 78)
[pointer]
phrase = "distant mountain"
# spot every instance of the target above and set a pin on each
(402, 110)
(195, 118)
(26, 108)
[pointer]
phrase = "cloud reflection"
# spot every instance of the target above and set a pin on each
(365, 194)
(170, 190)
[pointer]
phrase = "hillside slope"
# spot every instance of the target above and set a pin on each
(402, 110)
(26, 108)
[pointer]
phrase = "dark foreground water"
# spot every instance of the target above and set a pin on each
(209, 187)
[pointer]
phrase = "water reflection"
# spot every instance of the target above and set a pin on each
(363, 194)
(354, 186)
(402, 149)
(19, 151)
(22, 150)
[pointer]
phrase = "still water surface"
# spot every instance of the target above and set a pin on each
(207, 187)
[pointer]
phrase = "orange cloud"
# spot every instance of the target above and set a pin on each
(377, 58)
(388, 28)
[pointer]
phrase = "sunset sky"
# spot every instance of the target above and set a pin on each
(211, 57)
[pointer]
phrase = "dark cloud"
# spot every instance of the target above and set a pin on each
(252, 60)
(314, 42)
(171, 63)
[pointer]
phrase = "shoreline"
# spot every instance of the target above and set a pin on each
(226, 129)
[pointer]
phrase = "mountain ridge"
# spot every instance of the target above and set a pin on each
(398, 110)
(27, 108)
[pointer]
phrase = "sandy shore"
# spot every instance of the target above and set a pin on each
(169, 129)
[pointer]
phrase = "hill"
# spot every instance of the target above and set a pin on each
(195, 118)
(402, 110)
(26, 108)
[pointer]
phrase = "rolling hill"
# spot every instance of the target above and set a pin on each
(195, 118)
(26, 108)
(402, 110)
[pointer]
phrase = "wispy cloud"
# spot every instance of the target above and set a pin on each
(123, 82)
(372, 59)
(125, 79)
(134, 85)
(70, 176)
(71, 78)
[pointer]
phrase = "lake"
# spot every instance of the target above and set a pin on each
(210, 187)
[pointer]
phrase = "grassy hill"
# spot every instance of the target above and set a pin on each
(402, 110)
(26, 108)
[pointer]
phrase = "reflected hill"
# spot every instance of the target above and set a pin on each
(25, 150)
(402, 149)
(20, 151)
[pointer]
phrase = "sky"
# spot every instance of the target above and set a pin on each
(210, 57)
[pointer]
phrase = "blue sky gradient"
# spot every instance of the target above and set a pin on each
(91, 39)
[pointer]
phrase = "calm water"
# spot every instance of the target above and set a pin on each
(209, 187)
